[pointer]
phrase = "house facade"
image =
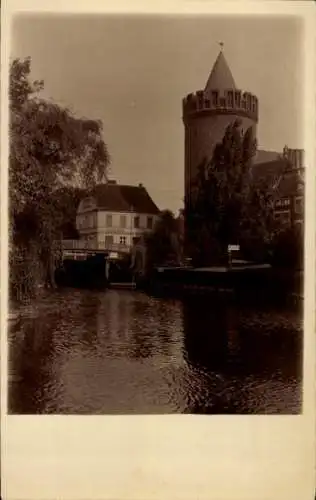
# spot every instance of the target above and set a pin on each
(115, 216)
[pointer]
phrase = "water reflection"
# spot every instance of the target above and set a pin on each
(125, 352)
(248, 362)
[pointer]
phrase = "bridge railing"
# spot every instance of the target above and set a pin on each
(86, 245)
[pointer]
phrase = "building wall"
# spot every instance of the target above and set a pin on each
(289, 208)
(118, 228)
(206, 116)
(202, 134)
(122, 227)
(289, 211)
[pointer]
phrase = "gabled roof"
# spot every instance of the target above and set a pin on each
(264, 156)
(121, 198)
(220, 77)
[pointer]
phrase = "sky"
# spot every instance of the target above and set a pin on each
(132, 72)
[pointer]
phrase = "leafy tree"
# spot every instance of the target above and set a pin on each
(50, 149)
(225, 207)
(163, 244)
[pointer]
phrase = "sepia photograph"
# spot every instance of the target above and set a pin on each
(156, 215)
(158, 250)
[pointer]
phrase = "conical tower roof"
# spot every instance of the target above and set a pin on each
(221, 77)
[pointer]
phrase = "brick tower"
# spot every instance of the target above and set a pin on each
(207, 113)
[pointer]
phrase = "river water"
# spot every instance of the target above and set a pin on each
(123, 352)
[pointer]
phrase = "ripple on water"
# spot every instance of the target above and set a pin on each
(125, 352)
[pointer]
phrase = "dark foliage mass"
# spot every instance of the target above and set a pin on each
(51, 151)
(225, 206)
(164, 244)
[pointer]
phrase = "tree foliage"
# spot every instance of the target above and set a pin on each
(163, 244)
(225, 206)
(51, 151)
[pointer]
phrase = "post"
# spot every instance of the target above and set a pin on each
(229, 257)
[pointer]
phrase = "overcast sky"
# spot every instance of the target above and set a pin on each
(132, 72)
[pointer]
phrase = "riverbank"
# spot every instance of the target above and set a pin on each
(252, 283)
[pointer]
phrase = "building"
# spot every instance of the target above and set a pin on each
(206, 115)
(114, 216)
(285, 175)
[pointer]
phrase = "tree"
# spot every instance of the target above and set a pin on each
(163, 244)
(225, 207)
(50, 148)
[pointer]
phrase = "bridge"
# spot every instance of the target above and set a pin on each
(79, 249)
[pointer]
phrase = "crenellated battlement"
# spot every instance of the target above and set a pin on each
(230, 101)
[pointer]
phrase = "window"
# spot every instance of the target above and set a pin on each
(285, 217)
(149, 222)
(136, 222)
(122, 240)
(299, 205)
(108, 239)
(109, 220)
(283, 202)
(123, 221)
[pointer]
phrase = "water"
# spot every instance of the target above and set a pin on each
(123, 352)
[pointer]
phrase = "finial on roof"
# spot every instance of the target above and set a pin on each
(221, 77)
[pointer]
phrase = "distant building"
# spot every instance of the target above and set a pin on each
(285, 176)
(115, 216)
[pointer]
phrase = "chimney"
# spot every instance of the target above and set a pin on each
(140, 185)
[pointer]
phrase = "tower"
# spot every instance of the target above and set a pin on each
(207, 113)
